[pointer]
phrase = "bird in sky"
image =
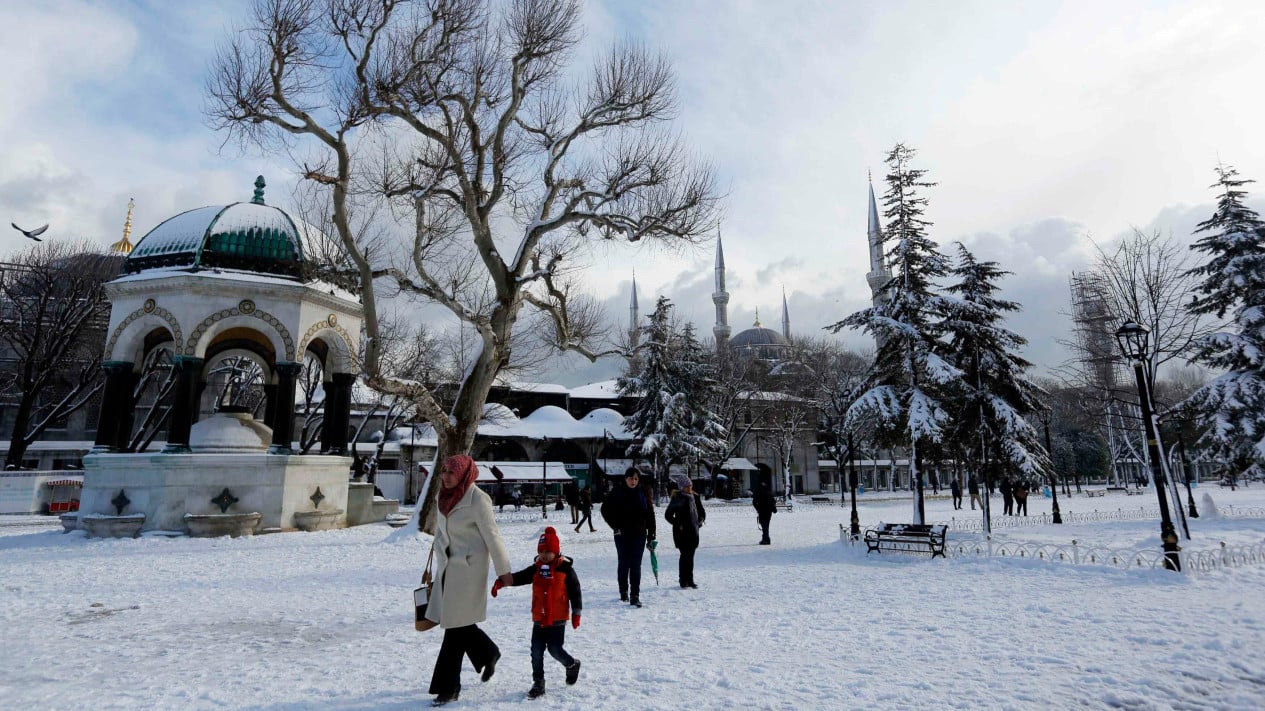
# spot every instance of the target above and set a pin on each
(33, 234)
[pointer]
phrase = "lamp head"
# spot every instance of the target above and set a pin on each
(1132, 337)
(1044, 415)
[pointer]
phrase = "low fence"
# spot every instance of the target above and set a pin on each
(1141, 513)
(1193, 562)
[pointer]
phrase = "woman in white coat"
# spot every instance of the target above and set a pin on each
(466, 538)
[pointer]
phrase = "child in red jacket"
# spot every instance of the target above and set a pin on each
(555, 595)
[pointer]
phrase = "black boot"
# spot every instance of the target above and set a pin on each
(537, 689)
(635, 602)
(573, 673)
(442, 699)
(490, 668)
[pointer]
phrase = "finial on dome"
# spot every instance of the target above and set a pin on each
(258, 199)
(757, 317)
(125, 246)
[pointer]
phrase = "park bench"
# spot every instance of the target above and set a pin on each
(820, 499)
(907, 537)
(1091, 493)
(785, 505)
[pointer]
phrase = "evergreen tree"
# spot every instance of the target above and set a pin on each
(996, 393)
(1234, 283)
(674, 386)
(909, 384)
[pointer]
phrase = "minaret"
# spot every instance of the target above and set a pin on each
(720, 297)
(786, 317)
(879, 274)
(634, 319)
(124, 246)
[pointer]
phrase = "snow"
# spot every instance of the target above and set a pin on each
(323, 620)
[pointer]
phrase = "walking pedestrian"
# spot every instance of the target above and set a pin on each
(466, 534)
(686, 515)
(1007, 497)
(573, 501)
(630, 514)
(765, 506)
(585, 502)
(972, 488)
(955, 488)
(1021, 497)
(555, 595)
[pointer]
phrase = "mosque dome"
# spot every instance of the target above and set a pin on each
(757, 336)
(245, 236)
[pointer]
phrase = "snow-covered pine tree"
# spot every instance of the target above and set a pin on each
(672, 419)
(995, 391)
(1234, 283)
(910, 381)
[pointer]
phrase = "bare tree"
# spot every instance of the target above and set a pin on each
(455, 114)
(53, 314)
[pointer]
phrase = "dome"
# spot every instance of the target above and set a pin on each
(757, 336)
(248, 236)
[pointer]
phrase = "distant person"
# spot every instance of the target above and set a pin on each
(955, 488)
(467, 537)
(573, 501)
(555, 597)
(686, 515)
(585, 503)
(765, 506)
(972, 488)
(1021, 497)
(629, 511)
(1007, 497)
(518, 498)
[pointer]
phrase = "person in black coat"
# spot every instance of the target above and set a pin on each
(630, 514)
(765, 505)
(685, 513)
(1007, 500)
(955, 487)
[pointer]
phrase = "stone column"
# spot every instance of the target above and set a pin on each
(116, 395)
(337, 413)
(282, 407)
(185, 402)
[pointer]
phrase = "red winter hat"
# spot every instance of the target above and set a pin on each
(549, 542)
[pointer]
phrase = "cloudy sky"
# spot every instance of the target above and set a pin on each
(1046, 125)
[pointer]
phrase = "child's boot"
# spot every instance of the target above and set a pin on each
(573, 672)
(537, 689)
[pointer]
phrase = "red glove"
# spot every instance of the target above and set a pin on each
(575, 621)
(496, 587)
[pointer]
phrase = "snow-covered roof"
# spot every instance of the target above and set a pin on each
(548, 421)
(525, 472)
(534, 387)
(604, 390)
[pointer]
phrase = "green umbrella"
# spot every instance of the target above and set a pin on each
(654, 561)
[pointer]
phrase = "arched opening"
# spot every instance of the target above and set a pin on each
(236, 373)
(500, 450)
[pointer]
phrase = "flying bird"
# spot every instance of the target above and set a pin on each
(33, 234)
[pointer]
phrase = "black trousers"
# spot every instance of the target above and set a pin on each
(587, 517)
(764, 518)
(685, 568)
(468, 641)
(550, 638)
(630, 547)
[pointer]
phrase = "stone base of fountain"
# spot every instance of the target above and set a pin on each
(320, 520)
(226, 524)
(70, 522)
(107, 526)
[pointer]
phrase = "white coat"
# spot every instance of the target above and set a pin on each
(465, 539)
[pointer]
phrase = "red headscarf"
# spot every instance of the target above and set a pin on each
(467, 473)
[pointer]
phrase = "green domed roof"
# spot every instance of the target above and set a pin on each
(247, 236)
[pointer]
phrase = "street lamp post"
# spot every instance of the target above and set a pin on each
(544, 477)
(1055, 515)
(1133, 337)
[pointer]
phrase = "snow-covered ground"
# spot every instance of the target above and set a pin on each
(323, 620)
